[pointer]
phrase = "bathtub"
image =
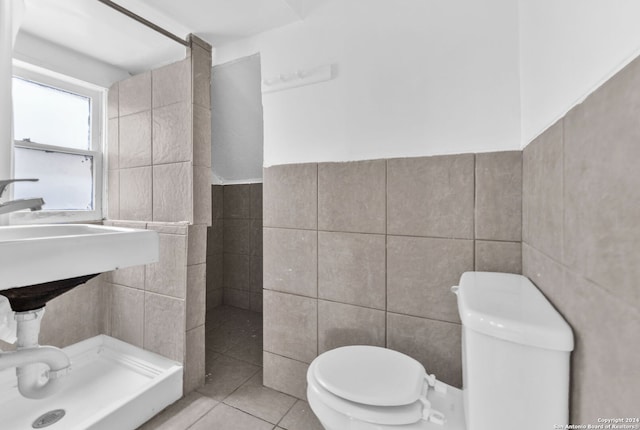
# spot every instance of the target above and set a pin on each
(112, 385)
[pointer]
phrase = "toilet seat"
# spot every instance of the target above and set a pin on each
(387, 415)
(375, 385)
(370, 375)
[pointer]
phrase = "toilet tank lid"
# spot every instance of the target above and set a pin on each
(510, 307)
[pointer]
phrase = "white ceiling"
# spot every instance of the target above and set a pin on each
(95, 30)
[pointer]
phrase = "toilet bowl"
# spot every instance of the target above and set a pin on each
(515, 370)
(372, 388)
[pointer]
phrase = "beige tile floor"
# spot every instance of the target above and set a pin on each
(233, 397)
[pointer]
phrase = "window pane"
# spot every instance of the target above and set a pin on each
(50, 116)
(66, 180)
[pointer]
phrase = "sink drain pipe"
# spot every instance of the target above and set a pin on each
(31, 360)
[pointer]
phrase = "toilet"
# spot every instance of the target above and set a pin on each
(515, 370)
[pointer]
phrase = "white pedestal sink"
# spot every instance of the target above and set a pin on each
(39, 262)
(35, 254)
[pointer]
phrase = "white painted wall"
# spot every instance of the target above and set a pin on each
(413, 78)
(416, 77)
(568, 48)
(236, 121)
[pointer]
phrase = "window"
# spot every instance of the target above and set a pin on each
(58, 139)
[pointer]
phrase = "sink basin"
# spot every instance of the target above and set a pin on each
(37, 254)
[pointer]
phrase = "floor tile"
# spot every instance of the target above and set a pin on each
(213, 318)
(236, 316)
(234, 377)
(211, 355)
(225, 417)
(221, 339)
(250, 351)
(261, 402)
(256, 379)
(225, 314)
(225, 375)
(300, 417)
(182, 413)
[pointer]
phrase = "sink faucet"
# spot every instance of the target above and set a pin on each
(35, 204)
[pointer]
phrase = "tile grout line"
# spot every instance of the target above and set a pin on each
(250, 414)
(151, 114)
(324, 299)
(317, 259)
(278, 354)
(118, 170)
(386, 257)
(475, 209)
(243, 384)
(562, 193)
(288, 410)
(205, 414)
(419, 236)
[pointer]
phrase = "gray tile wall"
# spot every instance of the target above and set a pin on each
(242, 246)
(234, 247)
(215, 254)
(581, 240)
(76, 315)
(159, 152)
(365, 253)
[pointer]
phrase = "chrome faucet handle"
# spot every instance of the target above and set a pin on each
(4, 183)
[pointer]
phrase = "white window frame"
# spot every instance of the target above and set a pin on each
(97, 143)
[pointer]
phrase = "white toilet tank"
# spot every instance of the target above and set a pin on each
(515, 354)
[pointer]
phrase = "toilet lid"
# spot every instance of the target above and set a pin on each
(370, 375)
(382, 415)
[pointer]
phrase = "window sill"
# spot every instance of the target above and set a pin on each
(54, 217)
